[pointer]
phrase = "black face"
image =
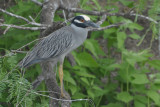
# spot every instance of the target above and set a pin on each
(80, 21)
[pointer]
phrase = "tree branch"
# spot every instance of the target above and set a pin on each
(23, 18)
(14, 15)
(38, 81)
(37, 2)
(104, 17)
(106, 27)
(101, 13)
(23, 28)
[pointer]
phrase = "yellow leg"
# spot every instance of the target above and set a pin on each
(61, 79)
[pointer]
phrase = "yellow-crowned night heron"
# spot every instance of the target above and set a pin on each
(58, 44)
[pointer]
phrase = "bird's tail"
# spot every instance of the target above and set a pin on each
(24, 63)
(28, 61)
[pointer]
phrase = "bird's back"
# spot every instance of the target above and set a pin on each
(52, 46)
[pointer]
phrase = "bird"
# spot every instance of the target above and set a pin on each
(59, 43)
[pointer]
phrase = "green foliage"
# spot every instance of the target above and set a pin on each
(108, 81)
(124, 96)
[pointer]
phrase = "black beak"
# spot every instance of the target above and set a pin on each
(91, 24)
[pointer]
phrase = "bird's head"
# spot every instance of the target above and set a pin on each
(83, 21)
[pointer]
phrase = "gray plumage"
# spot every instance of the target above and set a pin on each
(58, 44)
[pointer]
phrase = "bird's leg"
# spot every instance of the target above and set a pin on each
(61, 79)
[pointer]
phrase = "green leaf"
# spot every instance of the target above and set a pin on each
(85, 80)
(139, 104)
(141, 98)
(73, 89)
(78, 95)
(124, 96)
(126, 2)
(97, 4)
(98, 91)
(139, 79)
(113, 105)
(155, 64)
(121, 36)
(154, 96)
(12, 61)
(91, 93)
(83, 72)
(85, 59)
(134, 36)
(68, 78)
(135, 26)
(1, 106)
(93, 46)
(132, 57)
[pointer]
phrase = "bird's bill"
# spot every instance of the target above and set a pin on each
(91, 24)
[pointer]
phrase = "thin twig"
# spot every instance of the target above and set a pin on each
(20, 17)
(48, 92)
(63, 99)
(102, 19)
(145, 17)
(24, 28)
(31, 18)
(6, 30)
(18, 51)
(106, 27)
(13, 52)
(64, 13)
(30, 92)
(14, 15)
(37, 2)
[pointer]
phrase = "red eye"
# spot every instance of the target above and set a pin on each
(82, 20)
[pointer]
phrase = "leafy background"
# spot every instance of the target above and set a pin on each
(117, 67)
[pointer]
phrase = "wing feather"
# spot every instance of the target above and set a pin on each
(52, 46)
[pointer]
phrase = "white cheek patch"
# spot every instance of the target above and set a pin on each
(77, 21)
(85, 17)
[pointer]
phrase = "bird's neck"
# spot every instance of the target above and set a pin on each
(80, 33)
(79, 30)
